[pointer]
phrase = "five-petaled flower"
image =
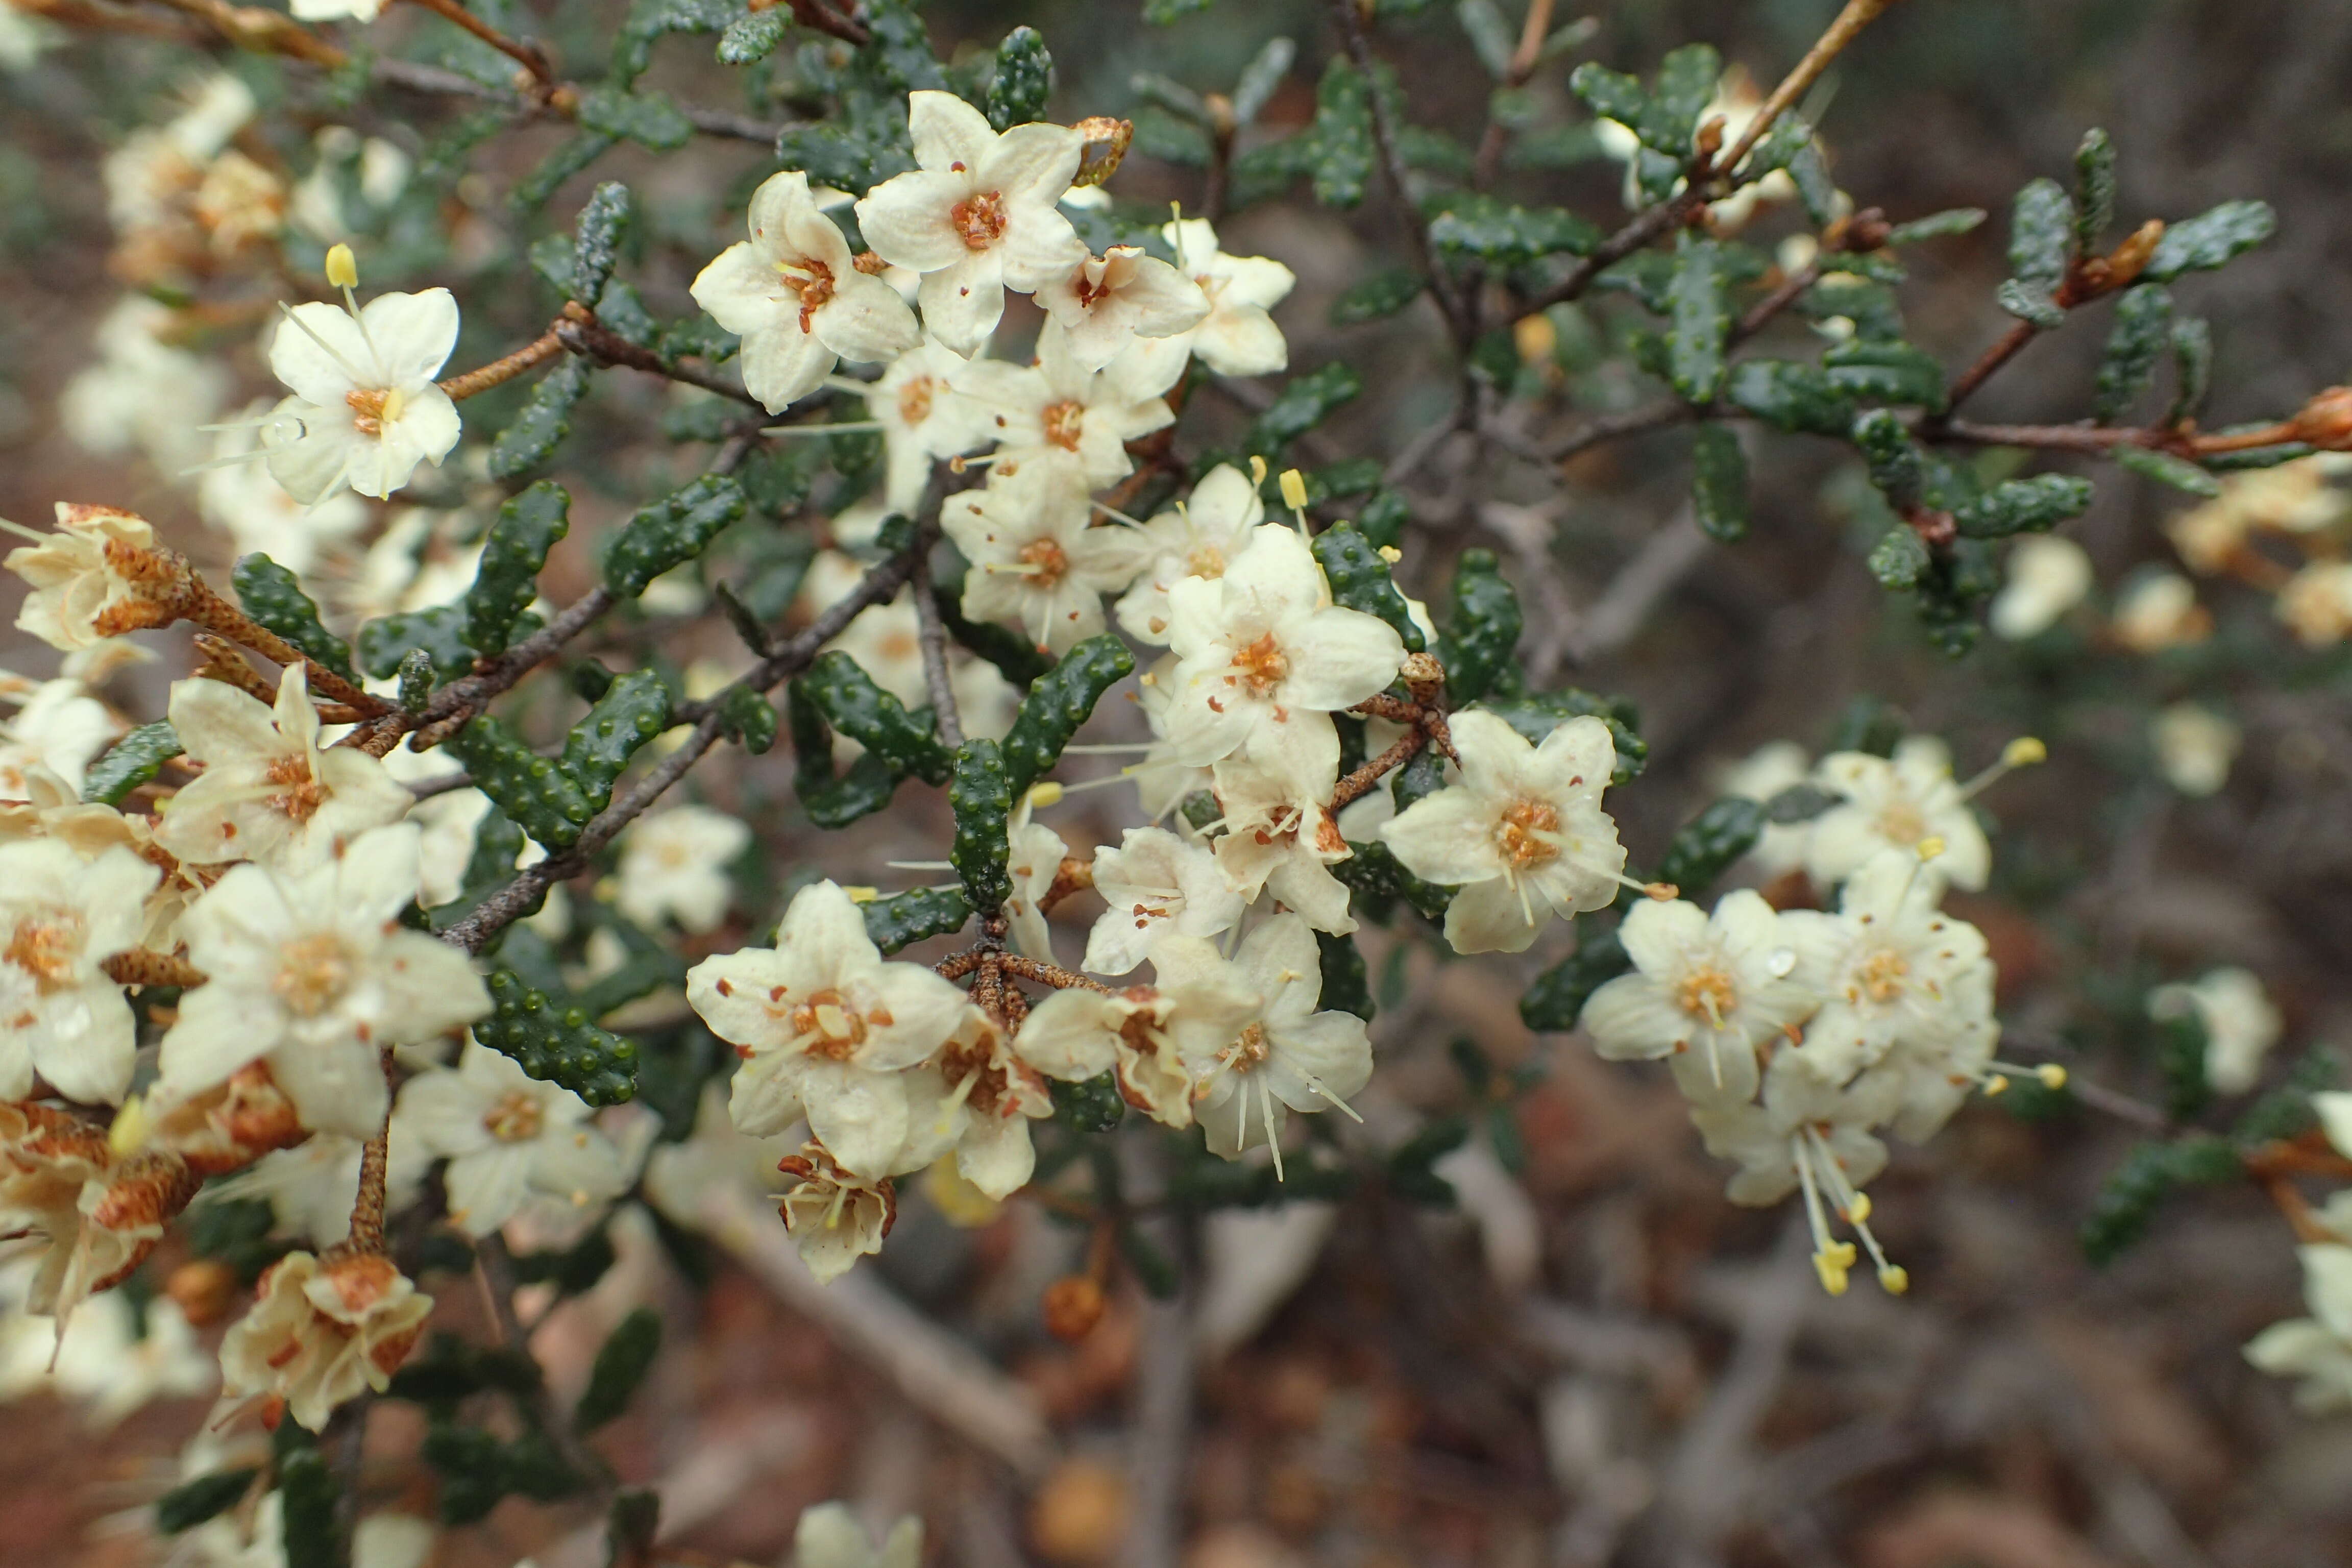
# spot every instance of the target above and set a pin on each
(365, 409)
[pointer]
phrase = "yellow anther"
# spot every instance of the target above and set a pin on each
(1664, 892)
(1831, 1271)
(1147, 679)
(1391, 554)
(130, 1129)
(343, 267)
(1257, 470)
(1997, 1084)
(863, 895)
(2052, 1075)
(1858, 1211)
(1045, 793)
(1294, 490)
(1929, 847)
(1892, 1278)
(2024, 751)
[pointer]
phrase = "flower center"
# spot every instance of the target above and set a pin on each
(974, 1061)
(44, 949)
(299, 794)
(1247, 1053)
(915, 399)
(978, 219)
(1527, 833)
(833, 1029)
(1709, 993)
(312, 972)
(1065, 422)
(1262, 666)
(372, 408)
(1882, 977)
(516, 1119)
(1207, 561)
(1045, 562)
(815, 288)
(1902, 822)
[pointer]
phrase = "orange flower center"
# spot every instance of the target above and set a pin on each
(1527, 833)
(1064, 423)
(1046, 562)
(299, 793)
(312, 972)
(516, 1119)
(915, 399)
(45, 950)
(1262, 666)
(1709, 993)
(833, 1029)
(1881, 978)
(979, 220)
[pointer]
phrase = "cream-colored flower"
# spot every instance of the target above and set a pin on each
(2317, 1349)
(977, 1100)
(311, 1188)
(1035, 563)
(1147, 1034)
(674, 865)
(1061, 411)
(1156, 885)
(320, 1331)
(1108, 301)
(1280, 838)
(1237, 337)
(365, 409)
(1897, 803)
(2048, 575)
(2316, 602)
(142, 392)
(2194, 748)
(1292, 1055)
(829, 1536)
(57, 726)
(680, 1175)
(507, 1136)
(924, 418)
(2158, 610)
(835, 1216)
(61, 917)
(269, 793)
(1195, 539)
(242, 500)
(2239, 1020)
(81, 596)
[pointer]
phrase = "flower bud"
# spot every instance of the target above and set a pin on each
(2326, 420)
(1071, 1306)
(1107, 141)
(203, 1289)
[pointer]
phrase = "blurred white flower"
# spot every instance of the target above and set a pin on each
(143, 393)
(319, 1333)
(1897, 803)
(829, 1536)
(242, 500)
(2194, 747)
(2048, 575)
(60, 1016)
(2317, 1349)
(2241, 1022)
(2159, 610)
(674, 865)
(507, 1136)
(1238, 336)
(2316, 602)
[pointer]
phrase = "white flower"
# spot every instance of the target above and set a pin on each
(2158, 610)
(829, 1536)
(1034, 561)
(336, 10)
(268, 792)
(102, 1360)
(313, 972)
(2048, 576)
(924, 418)
(794, 293)
(1156, 885)
(319, 1333)
(679, 1176)
(674, 863)
(2317, 1349)
(310, 1188)
(825, 1027)
(1930, 1075)
(1106, 302)
(256, 514)
(2241, 1022)
(1725, 983)
(1889, 965)
(1763, 774)
(142, 392)
(79, 597)
(23, 39)
(1266, 657)
(1198, 539)
(1033, 856)
(1523, 834)
(1295, 1057)
(1062, 411)
(1237, 337)
(978, 1099)
(2194, 748)
(365, 409)
(1147, 1034)
(58, 725)
(836, 1215)
(1898, 802)
(60, 1016)
(507, 1136)
(1281, 839)
(977, 217)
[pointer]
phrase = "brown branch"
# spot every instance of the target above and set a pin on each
(1357, 784)
(495, 1267)
(367, 1208)
(262, 31)
(1044, 973)
(529, 56)
(1842, 31)
(1489, 161)
(1458, 312)
(824, 19)
(539, 351)
(931, 632)
(584, 335)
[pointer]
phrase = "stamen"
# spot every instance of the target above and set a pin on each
(918, 865)
(847, 426)
(1317, 1084)
(1113, 512)
(1265, 1103)
(2022, 752)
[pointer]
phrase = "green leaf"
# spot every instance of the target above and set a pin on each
(748, 719)
(2028, 304)
(648, 20)
(1341, 136)
(912, 917)
(2095, 190)
(1024, 74)
(1885, 372)
(1556, 996)
(1935, 226)
(1490, 35)
(557, 1044)
(1505, 234)
(544, 422)
(1896, 466)
(1701, 311)
(1018, 658)
(1261, 77)
(1304, 402)
(1345, 985)
(1382, 518)
(831, 802)
(1611, 95)
(191, 1503)
(1091, 1105)
(1381, 882)
(1719, 484)
(1536, 716)
(439, 633)
(634, 1518)
(1818, 193)
(1708, 845)
(1686, 84)
(633, 710)
(853, 704)
(571, 157)
(271, 596)
(2193, 368)
(1058, 704)
(2041, 222)
(1361, 580)
(648, 119)
(982, 797)
(1790, 397)
(2180, 1050)
(670, 532)
(2142, 331)
(626, 1356)
(1421, 777)
(307, 1494)
(2127, 1201)
(2034, 505)
(505, 579)
(749, 39)
(534, 793)
(2167, 470)
(1900, 559)
(596, 237)
(2209, 240)
(1411, 1166)
(1481, 646)
(132, 762)
(1161, 13)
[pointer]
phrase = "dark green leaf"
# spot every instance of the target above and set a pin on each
(982, 796)
(2167, 470)
(1480, 645)
(1304, 402)
(1024, 74)
(307, 1493)
(1790, 397)
(633, 710)
(571, 157)
(557, 1044)
(439, 632)
(2041, 223)
(1708, 844)
(1811, 171)
(2095, 191)
(648, 119)
(1611, 95)
(1885, 372)
(751, 38)
(1719, 483)
(132, 762)
(1505, 234)
(191, 1503)
(1381, 882)
(749, 720)
(2029, 304)
(271, 596)
(854, 705)
(1686, 84)
(2142, 331)
(912, 917)
(1383, 294)
(670, 532)
(2180, 1048)
(596, 239)
(2209, 240)
(544, 422)
(1899, 560)
(1895, 467)
(2193, 368)
(1556, 996)
(2023, 506)
(621, 1365)
(1091, 1105)
(1259, 79)
(1058, 704)
(1412, 1172)
(1490, 35)
(505, 579)
(1935, 226)
(1361, 580)
(1701, 311)
(634, 1517)
(1345, 984)
(1341, 136)
(535, 795)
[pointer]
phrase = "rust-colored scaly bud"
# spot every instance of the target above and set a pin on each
(1864, 231)
(1072, 1306)
(1106, 140)
(870, 263)
(1424, 676)
(2129, 260)
(203, 1288)
(1222, 121)
(2325, 421)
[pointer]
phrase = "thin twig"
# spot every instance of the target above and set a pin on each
(1842, 31)
(1456, 309)
(529, 56)
(498, 1275)
(932, 633)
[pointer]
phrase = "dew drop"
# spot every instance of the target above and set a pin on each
(1780, 962)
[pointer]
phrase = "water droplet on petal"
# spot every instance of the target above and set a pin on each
(1780, 962)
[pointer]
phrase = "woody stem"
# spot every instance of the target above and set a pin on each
(529, 56)
(1052, 974)
(1357, 784)
(539, 351)
(367, 1210)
